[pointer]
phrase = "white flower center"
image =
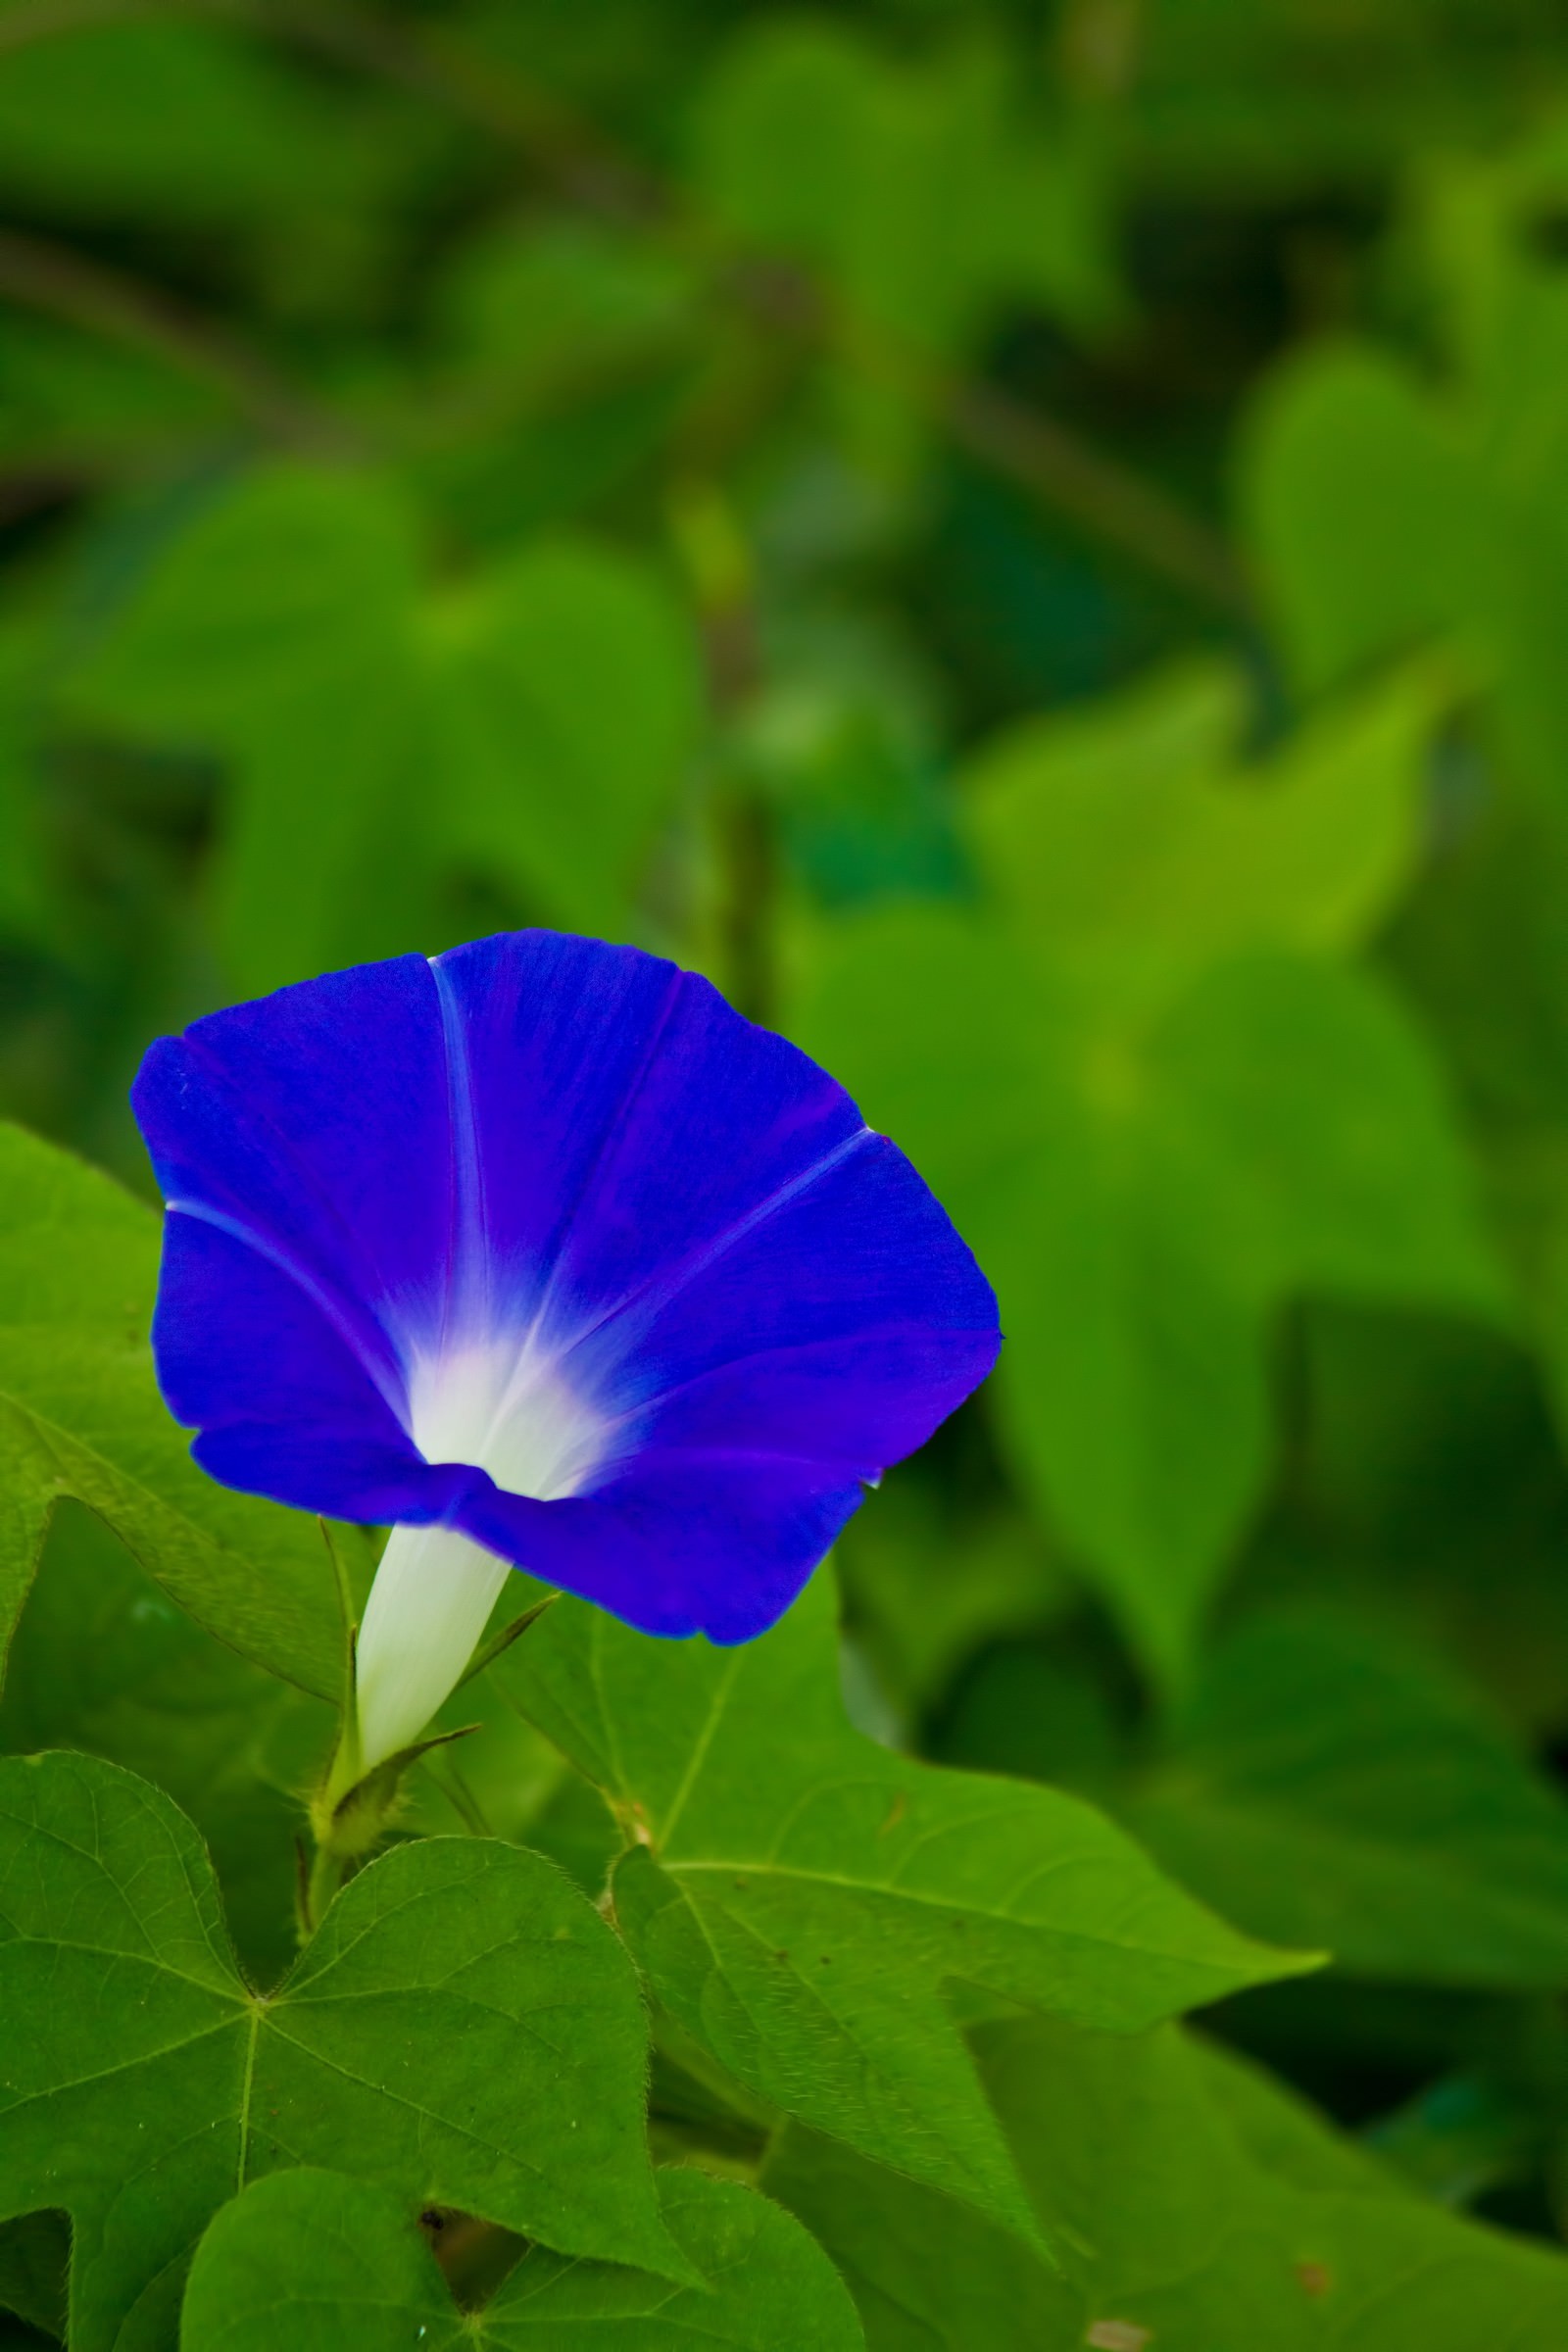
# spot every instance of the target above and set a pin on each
(504, 1411)
(509, 1412)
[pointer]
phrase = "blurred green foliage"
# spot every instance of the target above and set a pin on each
(1031, 542)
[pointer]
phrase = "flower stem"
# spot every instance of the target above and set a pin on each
(327, 1877)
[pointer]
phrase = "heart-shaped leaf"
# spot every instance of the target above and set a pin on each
(348, 2264)
(463, 2021)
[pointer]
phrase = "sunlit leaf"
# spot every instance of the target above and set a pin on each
(1139, 849)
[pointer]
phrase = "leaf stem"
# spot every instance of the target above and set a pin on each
(718, 564)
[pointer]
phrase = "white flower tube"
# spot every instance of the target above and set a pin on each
(502, 1405)
(432, 1597)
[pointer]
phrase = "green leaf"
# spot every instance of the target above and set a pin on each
(1131, 1386)
(167, 122)
(276, 629)
(932, 202)
(920, 1613)
(559, 301)
(1385, 513)
(463, 2021)
(1139, 849)
(775, 88)
(104, 1661)
(284, 583)
(1143, 1197)
(379, 740)
(350, 2267)
(1329, 1785)
(1323, 1116)
(927, 2274)
(567, 697)
(1155, 1101)
(80, 1415)
(1366, 506)
(1201, 2207)
(801, 1900)
(1278, 2127)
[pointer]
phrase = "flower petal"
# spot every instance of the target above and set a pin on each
(240, 1336)
(318, 1121)
(624, 1117)
(251, 1356)
(680, 1542)
(555, 1212)
(862, 1403)
(854, 1289)
(337, 1477)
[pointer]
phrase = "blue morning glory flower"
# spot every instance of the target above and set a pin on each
(540, 1254)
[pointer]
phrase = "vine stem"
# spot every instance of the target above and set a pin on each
(51, 277)
(718, 564)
